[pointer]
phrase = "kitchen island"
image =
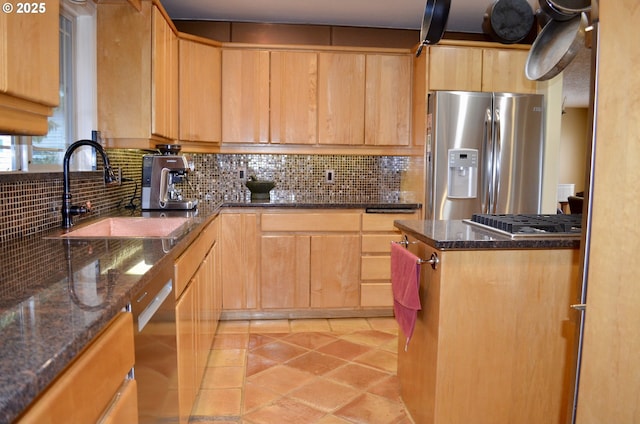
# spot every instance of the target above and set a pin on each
(50, 310)
(495, 339)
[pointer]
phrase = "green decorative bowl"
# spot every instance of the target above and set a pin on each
(259, 189)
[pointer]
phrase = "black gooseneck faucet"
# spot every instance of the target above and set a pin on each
(109, 178)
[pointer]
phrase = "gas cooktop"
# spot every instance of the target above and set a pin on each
(529, 226)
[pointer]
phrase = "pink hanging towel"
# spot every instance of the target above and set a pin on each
(405, 282)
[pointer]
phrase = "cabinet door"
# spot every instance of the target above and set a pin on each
(455, 68)
(341, 98)
(200, 96)
(186, 346)
(294, 97)
(239, 253)
(388, 100)
(335, 271)
(245, 96)
(284, 271)
(29, 69)
(164, 71)
(503, 70)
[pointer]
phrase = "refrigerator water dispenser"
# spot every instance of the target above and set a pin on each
(463, 174)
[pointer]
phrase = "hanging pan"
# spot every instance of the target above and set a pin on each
(434, 21)
(555, 47)
(571, 6)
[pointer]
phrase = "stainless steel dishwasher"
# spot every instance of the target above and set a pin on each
(156, 356)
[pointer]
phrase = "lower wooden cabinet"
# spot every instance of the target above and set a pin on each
(307, 260)
(198, 310)
(94, 387)
(378, 232)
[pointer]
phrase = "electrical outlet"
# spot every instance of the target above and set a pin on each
(329, 176)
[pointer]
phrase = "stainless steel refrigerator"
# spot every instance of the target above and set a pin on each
(484, 153)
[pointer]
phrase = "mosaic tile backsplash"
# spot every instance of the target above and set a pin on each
(30, 204)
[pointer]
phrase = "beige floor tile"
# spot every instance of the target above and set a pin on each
(332, 419)
(372, 409)
(218, 403)
(357, 376)
(230, 341)
(347, 325)
(227, 358)
(226, 327)
(270, 326)
(309, 340)
(279, 351)
(285, 411)
(315, 363)
(281, 379)
(372, 338)
(223, 377)
(257, 396)
(325, 395)
(386, 324)
(344, 349)
(318, 325)
(381, 359)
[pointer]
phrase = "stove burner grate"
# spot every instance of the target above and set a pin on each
(531, 224)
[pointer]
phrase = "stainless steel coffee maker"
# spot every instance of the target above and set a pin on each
(160, 174)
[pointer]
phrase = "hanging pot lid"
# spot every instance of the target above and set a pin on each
(434, 21)
(555, 47)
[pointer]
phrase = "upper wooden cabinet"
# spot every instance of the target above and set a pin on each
(29, 68)
(326, 98)
(388, 100)
(137, 75)
(245, 96)
(294, 97)
(478, 69)
(341, 94)
(199, 92)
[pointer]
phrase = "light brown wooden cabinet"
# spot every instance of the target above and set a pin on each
(29, 68)
(471, 68)
(495, 334)
(378, 232)
(198, 309)
(94, 387)
(245, 96)
(341, 98)
(388, 100)
(137, 75)
(199, 91)
(239, 260)
(294, 97)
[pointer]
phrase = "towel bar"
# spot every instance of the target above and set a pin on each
(433, 260)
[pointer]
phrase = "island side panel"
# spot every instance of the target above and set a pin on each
(503, 334)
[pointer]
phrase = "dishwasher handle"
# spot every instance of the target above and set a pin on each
(148, 312)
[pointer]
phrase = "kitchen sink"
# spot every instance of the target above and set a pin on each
(128, 227)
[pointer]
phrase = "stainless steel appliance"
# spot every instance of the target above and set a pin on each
(526, 226)
(160, 174)
(156, 353)
(484, 154)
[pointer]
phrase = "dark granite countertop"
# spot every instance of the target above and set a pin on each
(458, 235)
(57, 295)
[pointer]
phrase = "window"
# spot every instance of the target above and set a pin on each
(77, 66)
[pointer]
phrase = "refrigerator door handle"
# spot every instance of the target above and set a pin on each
(497, 153)
(487, 187)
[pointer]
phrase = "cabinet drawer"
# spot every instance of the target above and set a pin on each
(375, 267)
(189, 262)
(376, 294)
(378, 243)
(85, 389)
(311, 222)
(384, 221)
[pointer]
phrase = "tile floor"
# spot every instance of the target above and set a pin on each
(321, 371)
